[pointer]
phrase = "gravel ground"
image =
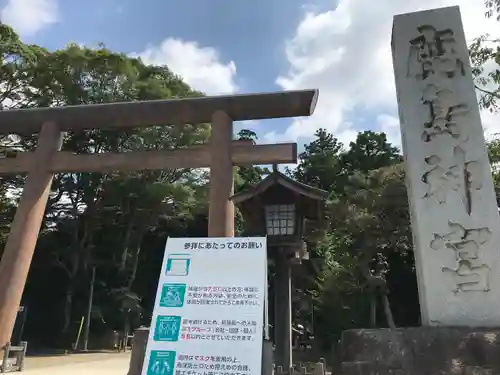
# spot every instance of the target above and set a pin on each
(79, 364)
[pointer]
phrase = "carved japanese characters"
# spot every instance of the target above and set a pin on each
(445, 113)
(433, 53)
(461, 176)
(470, 278)
(470, 274)
(434, 62)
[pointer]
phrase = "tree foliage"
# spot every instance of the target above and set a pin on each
(103, 221)
(485, 58)
(368, 228)
(492, 8)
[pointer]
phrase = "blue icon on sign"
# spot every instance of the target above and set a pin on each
(178, 265)
(167, 328)
(172, 295)
(161, 362)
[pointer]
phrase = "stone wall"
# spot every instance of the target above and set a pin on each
(421, 351)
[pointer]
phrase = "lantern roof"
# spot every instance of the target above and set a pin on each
(309, 198)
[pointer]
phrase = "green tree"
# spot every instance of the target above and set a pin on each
(492, 8)
(76, 75)
(7, 210)
(320, 163)
(485, 58)
(85, 208)
(248, 175)
(19, 62)
(368, 152)
(367, 218)
(369, 242)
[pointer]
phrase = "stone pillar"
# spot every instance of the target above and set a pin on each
(455, 220)
(18, 252)
(283, 312)
(139, 344)
(221, 209)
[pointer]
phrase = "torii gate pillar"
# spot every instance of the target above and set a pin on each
(221, 209)
(20, 246)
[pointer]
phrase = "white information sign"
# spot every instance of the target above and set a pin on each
(209, 308)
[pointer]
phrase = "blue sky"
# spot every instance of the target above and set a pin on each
(236, 29)
(223, 46)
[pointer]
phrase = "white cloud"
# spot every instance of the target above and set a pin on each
(200, 67)
(491, 124)
(346, 53)
(28, 17)
(390, 126)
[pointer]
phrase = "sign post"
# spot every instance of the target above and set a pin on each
(208, 316)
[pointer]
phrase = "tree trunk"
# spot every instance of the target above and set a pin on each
(89, 228)
(126, 245)
(135, 260)
(388, 312)
(70, 286)
(135, 265)
(68, 307)
(373, 310)
(378, 285)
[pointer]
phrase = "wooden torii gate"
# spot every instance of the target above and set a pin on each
(220, 155)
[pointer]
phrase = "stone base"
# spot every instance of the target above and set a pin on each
(421, 351)
(139, 344)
